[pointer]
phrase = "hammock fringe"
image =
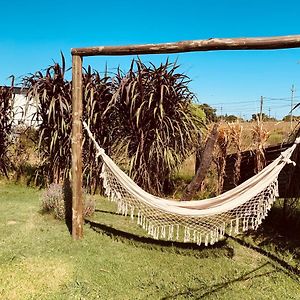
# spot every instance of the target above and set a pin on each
(187, 234)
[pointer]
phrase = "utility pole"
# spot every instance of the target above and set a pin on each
(292, 105)
(261, 107)
(269, 112)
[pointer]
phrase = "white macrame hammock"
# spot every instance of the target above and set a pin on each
(198, 221)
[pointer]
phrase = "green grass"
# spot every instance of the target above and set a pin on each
(39, 260)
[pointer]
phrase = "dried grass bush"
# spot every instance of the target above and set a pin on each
(98, 92)
(6, 123)
(260, 137)
(236, 130)
(23, 153)
(53, 201)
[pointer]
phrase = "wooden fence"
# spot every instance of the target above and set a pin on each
(289, 177)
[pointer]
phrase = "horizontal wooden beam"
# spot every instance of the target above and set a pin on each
(260, 43)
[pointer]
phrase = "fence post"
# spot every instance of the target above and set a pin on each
(77, 205)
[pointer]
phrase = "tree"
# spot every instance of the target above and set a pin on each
(210, 112)
(229, 118)
(6, 122)
(288, 118)
(265, 118)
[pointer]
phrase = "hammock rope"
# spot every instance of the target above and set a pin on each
(197, 221)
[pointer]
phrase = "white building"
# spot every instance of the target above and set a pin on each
(23, 113)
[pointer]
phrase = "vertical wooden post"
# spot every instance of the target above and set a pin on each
(205, 163)
(77, 205)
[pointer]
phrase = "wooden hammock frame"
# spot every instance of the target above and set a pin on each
(261, 43)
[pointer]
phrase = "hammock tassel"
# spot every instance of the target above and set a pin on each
(212, 238)
(199, 239)
(186, 235)
(223, 228)
(119, 204)
(206, 239)
(245, 224)
(132, 213)
(236, 226)
(156, 232)
(177, 232)
(195, 236)
(231, 226)
(163, 232)
(138, 218)
(171, 232)
(145, 223)
(150, 229)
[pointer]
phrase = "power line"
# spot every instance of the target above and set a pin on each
(250, 107)
(288, 99)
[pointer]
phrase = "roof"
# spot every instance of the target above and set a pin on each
(17, 90)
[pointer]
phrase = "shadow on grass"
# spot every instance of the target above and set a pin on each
(204, 291)
(280, 230)
(220, 249)
(68, 204)
(290, 270)
(277, 237)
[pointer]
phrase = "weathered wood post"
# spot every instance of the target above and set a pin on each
(77, 205)
(204, 166)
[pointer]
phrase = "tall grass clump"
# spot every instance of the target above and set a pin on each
(51, 93)
(98, 92)
(23, 155)
(6, 123)
(260, 137)
(157, 125)
(229, 139)
(145, 114)
(236, 130)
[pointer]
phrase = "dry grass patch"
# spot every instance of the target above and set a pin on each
(33, 278)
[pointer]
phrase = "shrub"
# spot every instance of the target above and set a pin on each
(52, 197)
(51, 93)
(53, 201)
(145, 115)
(23, 155)
(157, 124)
(6, 121)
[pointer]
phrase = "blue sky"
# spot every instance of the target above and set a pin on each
(32, 34)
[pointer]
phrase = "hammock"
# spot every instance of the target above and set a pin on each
(197, 221)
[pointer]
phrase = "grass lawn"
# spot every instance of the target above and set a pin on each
(39, 260)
